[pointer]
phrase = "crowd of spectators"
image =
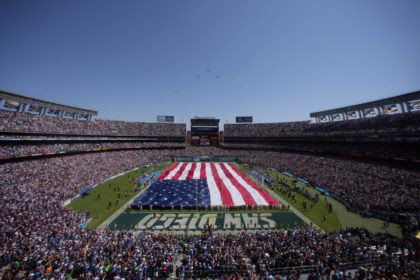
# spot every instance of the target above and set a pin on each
(265, 129)
(375, 150)
(12, 121)
(355, 181)
(364, 185)
(398, 123)
(38, 148)
(37, 234)
(267, 253)
(13, 137)
(41, 239)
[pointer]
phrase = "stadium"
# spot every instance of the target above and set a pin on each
(86, 198)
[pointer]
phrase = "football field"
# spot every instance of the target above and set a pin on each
(201, 221)
(110, 203)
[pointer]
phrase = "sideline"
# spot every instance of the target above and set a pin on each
(282, 201)
(91, 187)
(295, 211)
(120, 210)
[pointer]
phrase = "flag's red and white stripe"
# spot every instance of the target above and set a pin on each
(227, 185)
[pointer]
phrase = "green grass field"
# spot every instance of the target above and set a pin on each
(97, 201)
(340, 217)
(317, 212)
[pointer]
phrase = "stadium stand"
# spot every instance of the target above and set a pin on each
(39, 239)
(18, 122)
(47, 149)
(386, 136)
(24, 135)
(356, 160)
(382, 124)
(357, 182)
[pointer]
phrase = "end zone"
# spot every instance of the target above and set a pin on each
(199, 222)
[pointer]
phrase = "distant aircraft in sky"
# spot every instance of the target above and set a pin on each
(207, 70)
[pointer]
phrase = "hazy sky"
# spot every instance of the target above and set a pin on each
(274, 60)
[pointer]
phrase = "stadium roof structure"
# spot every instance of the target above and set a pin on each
(47, 104)
(385, 101)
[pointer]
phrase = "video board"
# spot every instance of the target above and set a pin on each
(244, 119)
(165, 119)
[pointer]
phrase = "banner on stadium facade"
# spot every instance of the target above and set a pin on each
(413, 106)
(10, 105)
(287, 174)
(303, 180)
(83, 117)
(68, 115)
(32, 109)
(391, 109)
(337, 117)
(370, 112)
(352, 115)
(323, 119)
(52, 112)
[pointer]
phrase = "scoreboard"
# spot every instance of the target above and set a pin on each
(244, 119)
(165, 119)
(204, 131)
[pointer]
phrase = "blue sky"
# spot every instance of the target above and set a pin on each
(276, 60)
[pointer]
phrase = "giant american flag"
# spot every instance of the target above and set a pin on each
(203, 184)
